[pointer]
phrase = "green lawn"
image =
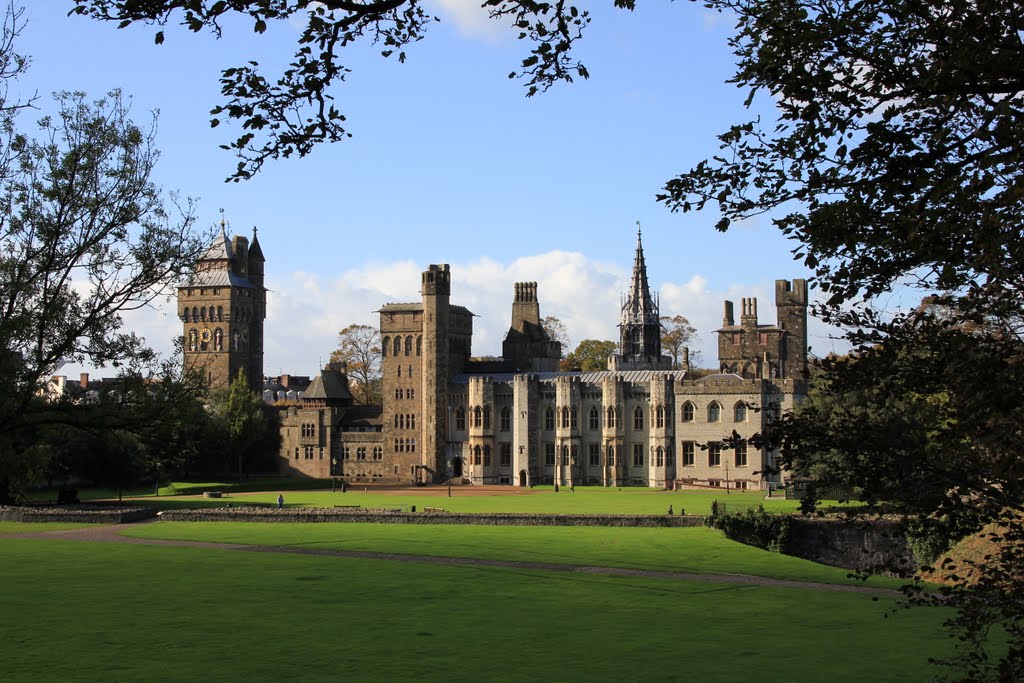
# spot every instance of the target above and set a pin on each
(77, 611)
(699, 550)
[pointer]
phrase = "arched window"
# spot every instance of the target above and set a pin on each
(202, 313)
(410, 371)
(408, 345)
(399, 370)
(687, 412)
(638, 419)
(384, 347)
(594, 421)
(188, 314)
(410, 393)
(419, 345)
(397, 348)
(506, 419)
(398, 394)
(212, 314)
(476, 455)
(714, 412)
(565, 417)
(412, 421)
(460, 419)
(195, 314)
(397, 418)
(659, 416)
(487, 417)
(565, 455)
(218, 340)
(478, 417)
(659, 457)
(611, 417)
(572, 417)
(549, 419)
(220, 314)
(739, 412)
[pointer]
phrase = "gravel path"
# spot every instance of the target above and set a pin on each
(111, 534)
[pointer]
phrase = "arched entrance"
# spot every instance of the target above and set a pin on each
(524, 478)
(457, 468)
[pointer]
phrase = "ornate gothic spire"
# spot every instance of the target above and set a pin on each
(640, 306)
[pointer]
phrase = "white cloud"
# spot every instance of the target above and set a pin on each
(307, 310)
(471, 20)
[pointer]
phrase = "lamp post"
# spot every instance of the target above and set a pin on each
(334, 479)
(449, 478)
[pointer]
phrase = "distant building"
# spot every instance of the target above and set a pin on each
(517, 420)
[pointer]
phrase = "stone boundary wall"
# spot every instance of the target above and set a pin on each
(872, 545)
(263, 514)
(94, 514)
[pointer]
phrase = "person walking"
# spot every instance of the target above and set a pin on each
(280, 501)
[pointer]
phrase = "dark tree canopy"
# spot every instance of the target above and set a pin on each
(590, 356)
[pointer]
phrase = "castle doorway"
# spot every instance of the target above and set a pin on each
(524, 478)
(457, 468)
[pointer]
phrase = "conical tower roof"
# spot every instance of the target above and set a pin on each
(255, 252)
(220, 250)
(639, 307)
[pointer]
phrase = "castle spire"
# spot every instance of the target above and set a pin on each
(640, 326)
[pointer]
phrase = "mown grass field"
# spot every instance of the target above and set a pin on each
(698, 550)
(104, 611)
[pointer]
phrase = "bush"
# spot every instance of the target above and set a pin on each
(755, 527)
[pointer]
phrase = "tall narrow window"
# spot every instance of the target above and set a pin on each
(506, 454)
(408, 345)
(714, 454)
(478, 417)
(397, 348)
(506, 419)
(549, 454)
(460, 419)
(594, 419)
(384, 347)
(741, 455)
(594, 458)
(659, 457)
(565, 417)
(611, 417)
(689, 450)
(659, 416)
(714, 412)
(549, 419)
(638, 419)
(487, 417)
(638, 455)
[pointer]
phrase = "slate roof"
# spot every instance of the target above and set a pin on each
(217, 278)
(587, 377)
(328, 385)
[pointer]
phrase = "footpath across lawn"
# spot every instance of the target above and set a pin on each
(698, 550)
(103, 611)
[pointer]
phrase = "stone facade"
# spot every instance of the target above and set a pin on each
(222, 308)
(518, 421)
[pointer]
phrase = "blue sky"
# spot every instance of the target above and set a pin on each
(450, 163)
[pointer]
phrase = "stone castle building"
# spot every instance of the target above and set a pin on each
(517, 420)
(222, 308)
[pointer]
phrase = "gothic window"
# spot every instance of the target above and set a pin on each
(399, 370)
(361, 453)
(687, 414)
(202, 313)
(505, 423)
(595, 419)
(378, 453)
(487, 456)
(714, 412)
(572, 417)
(478, 417)
(218, 340)
(412, 421)
(739, 412)
(412, 445)
(408, 345)
(346, 454)
(220, 314)
(460, 419)
(397, 446)
(308, 452)
(506, 453)
(549, 419)
(638, 455)
(400, 421)
(659, 457)
(487, 417)
(419, 345)
(659, 416)
(410, 393)
(635, 342)
(410, 371)
(397, 349)
(741, 455)
(638, 419)
(549, 454)
(188, 314)
(565, 455)
(715, 454)
(195, 314)
(611, 416)
(476, 455)
(689, 450)
(212, 314)
(384, 347)
(398, 394)
(611, 456)
(565, 418)
(595, 455)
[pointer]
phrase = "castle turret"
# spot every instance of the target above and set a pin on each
(640, 326)
(527, 346)
(436, 292)
(791, 304)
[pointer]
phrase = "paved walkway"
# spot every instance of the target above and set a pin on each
(110, 533)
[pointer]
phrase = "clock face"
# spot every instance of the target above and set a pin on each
(205, 334)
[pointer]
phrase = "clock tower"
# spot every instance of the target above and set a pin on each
(222, 307)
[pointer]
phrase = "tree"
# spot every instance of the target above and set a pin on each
(359, 348)
(556, 330)
(242, 419)
(676, 334)
(896, 159)
(291, 113)
(590, 356)
(84, 237)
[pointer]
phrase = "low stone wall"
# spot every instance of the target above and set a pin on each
(263, 514)
(872, 545)
(94, 514)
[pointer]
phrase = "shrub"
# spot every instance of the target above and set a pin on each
(755, 527)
